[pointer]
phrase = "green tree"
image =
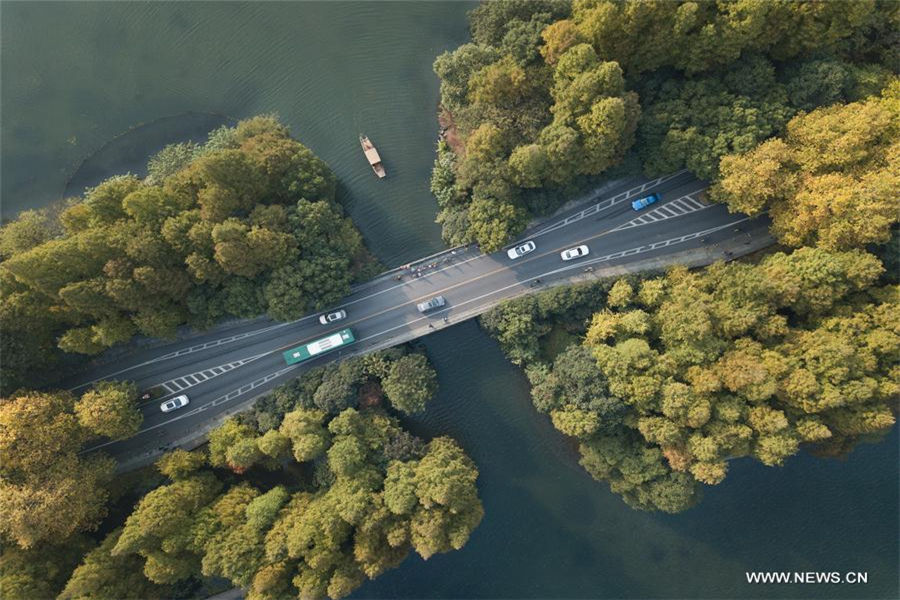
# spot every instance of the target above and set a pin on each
(180, 464)
(832, 181)
(31, 228)
(47, 490)
(171, 159)
(308, 436)
(42, 571)
(110, 409)
(160, 526)
(410, 383)
(233, 445)
(102, 575)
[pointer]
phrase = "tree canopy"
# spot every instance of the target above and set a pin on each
(678, 374)
(551, 93)
(47, 490)
(245, 224)
(832, 181)
(372, 493)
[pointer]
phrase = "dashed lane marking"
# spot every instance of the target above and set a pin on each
(608, 203)
(184, 382)
(685, 205)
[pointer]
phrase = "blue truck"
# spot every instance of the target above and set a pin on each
(645, 201)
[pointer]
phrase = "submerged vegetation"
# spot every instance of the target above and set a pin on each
(243, 225)
(551, 92)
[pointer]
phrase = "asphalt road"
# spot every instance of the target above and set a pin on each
(225, 367)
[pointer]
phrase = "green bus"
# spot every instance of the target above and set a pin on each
(313, 349)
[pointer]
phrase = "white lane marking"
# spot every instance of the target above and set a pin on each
(580, 265)
(608, 203)
(619, 198)
(685, 205)
(193, 349)
(220, 400)
(183, 382)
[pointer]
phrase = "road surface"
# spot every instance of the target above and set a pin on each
(223, 369)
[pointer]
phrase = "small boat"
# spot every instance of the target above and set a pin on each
(372, 156)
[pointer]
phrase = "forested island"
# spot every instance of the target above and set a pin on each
(788, 108)
(660, 380)
(242, 225)
(551, 94)
(307, 495)
(312, 492)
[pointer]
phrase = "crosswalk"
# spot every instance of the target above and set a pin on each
(608, 203)
(184, 382)
(682, 206)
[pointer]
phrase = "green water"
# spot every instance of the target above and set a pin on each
(76, 75)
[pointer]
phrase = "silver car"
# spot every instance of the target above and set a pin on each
(174, 403)
(521, 250)
(431, 304)
(333, 316)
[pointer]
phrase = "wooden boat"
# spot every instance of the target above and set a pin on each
(372, 156)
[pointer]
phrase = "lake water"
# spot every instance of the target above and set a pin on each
(77, 75)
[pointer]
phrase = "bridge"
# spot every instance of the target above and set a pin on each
(225, 369)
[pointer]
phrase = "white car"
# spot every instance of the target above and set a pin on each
(332, 317)
(576, 252)
(520, 250)
(174, 403)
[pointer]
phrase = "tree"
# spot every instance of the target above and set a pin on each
(274, 444)
(692, 124)
(832, 181)
(40, 572)
(245, 223)
(503, 84)
(159, 528)
(339, 386)
(31, 228)
(48, 491)
(233, 445)
(109, 409)
(56, 503)
(180, 464)
(171, 159)
(378, 493)
(410, 383)
(102, 575)
(558, 37)
(305, 429)
(494, 222)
